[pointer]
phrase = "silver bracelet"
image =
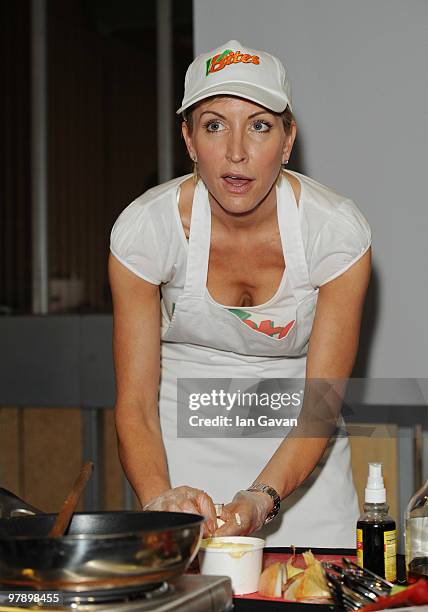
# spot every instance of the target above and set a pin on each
(258, 486)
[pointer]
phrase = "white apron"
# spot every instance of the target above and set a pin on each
(204, 339)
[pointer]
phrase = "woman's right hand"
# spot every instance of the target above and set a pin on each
(187, 499)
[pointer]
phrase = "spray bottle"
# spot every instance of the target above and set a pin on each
(376, 530)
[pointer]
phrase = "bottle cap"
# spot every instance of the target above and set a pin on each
(375, 492)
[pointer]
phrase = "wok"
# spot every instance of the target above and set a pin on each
(100, 550)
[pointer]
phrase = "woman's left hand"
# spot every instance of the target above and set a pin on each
(246, 513)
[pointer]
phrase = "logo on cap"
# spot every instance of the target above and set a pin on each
(228, 57)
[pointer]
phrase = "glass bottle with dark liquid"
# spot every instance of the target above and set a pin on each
(376, 530)
(416, 521)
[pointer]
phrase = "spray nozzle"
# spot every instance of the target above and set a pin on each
(375, 489)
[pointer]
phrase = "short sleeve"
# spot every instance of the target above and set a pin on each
(342, 241)
(133, 241)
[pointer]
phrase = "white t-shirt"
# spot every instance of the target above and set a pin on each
(148, 238)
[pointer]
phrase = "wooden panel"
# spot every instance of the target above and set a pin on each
(10, 464)
(102, 144)
(102, 148)
(381, 447)
(101, 141)
(52, 452)
(113, 473)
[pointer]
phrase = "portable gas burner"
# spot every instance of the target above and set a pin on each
(188, 593)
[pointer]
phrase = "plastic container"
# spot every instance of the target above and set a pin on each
(238, 557)
(416, 521)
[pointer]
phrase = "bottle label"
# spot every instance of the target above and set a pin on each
(360, 555)
(390, 554)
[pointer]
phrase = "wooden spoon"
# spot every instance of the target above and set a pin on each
(68, 507)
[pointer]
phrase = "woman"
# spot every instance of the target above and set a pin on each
(247, 272)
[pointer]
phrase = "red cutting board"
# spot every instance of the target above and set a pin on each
(269, 558)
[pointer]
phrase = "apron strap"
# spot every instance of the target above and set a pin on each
(292, 240)
(199, 243)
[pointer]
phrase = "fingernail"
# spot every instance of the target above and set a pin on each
(218, 509)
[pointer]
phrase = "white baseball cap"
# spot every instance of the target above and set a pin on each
(236, 70)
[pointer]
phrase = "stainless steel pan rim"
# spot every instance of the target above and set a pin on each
(192, 520)
(102, 536)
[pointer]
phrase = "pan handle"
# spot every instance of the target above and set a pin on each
(11, 505)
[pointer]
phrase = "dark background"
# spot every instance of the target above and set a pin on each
(102, 135)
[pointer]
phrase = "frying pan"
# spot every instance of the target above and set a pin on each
(100, 550)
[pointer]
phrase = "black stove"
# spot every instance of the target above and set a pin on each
(188, 593)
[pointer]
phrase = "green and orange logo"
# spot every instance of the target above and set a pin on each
(228, 57)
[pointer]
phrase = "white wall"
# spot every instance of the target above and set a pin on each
(360, 96)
